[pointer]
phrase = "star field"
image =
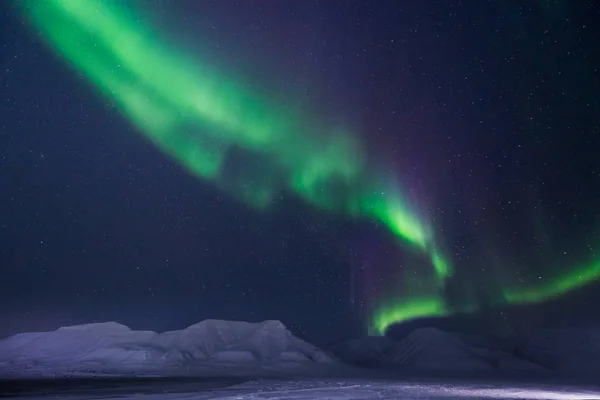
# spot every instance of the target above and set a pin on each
(349, 166)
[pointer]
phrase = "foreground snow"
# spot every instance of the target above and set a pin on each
(324, 389)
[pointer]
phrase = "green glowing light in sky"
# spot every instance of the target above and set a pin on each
(199, 117)
(440, 264)
(406, 310)
(203, 119)
(555, 286)
(434, 305)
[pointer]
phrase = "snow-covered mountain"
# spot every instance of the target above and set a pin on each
(227, 348)
(112, 348)
(428, 350)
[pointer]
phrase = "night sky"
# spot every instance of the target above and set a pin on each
(367, 161)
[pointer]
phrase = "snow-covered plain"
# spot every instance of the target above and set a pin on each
(342, 389)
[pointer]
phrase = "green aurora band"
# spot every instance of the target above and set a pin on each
(199, 117)
(435, 306)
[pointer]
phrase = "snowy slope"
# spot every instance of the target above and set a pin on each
(112, 348)
(428, 350)
(423, 350)
(233, 340)
(365, 352)
(567, 350)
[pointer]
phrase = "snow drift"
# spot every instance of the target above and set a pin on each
(112, 348)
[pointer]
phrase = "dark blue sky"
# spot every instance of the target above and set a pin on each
(489, 110)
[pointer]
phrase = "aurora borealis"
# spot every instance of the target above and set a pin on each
(196, 115)
(261, 150)
(435, 307)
